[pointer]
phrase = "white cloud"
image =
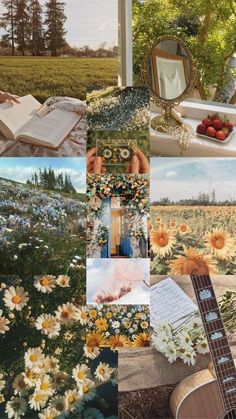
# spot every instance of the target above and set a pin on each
(171, 174)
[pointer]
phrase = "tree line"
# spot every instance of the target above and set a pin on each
(31, 28)
(202, 199)
(47, 179)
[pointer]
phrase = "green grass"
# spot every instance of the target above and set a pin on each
(45, 76)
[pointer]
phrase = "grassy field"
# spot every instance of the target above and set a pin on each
(45, 76)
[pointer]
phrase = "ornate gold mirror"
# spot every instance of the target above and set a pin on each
(170, 74)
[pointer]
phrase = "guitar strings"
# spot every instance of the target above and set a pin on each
(202, 282)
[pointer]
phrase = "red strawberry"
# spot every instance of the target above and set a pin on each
(206, 122)
(220, 135)
(211, 132)
(214, 116)
(201, 129)
(217, 123)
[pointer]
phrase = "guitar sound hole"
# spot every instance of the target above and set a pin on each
(231, 415)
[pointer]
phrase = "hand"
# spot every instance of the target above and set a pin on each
(4, 97)
(139, 164)
(94, 163)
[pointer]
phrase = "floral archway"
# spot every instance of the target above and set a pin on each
(129, 193)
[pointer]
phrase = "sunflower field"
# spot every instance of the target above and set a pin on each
(196, 240)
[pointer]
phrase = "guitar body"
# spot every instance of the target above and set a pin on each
(197, 397)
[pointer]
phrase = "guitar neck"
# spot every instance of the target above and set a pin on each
(217, 340)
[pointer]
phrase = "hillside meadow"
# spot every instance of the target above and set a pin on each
(44, 77)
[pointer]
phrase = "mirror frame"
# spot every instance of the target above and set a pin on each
(169, 103)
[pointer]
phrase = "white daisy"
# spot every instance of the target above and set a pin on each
(103, 372)
(45, 283)
(19, 385)
(30, 377)
(171, 352)
(87, 390)
(115, 325)
(80, 373)
(45, 385)
(37, 400)
(33, 358)
(63, 281)
(82, 315)
(15, 298)
(72, 398)
(66, 313)
(188, 356)
(185, 340)
(51, 364)
(91, 353)
(202, 346)
(3, 324)
(16, 407)
(48, 413)
(48, 325)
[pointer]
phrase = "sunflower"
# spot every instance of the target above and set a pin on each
(183, 229)
(101, 324)
(95, 339)
(162, 241)
(142, 339)
(118, 341)
(193, 263)
(173, 223)
(220, 243)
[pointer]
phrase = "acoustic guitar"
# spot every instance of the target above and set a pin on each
(210, 393)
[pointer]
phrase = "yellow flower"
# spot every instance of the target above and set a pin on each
(109, 315)
(144, 325)
(193, 263)
(173, 223)
(127, 325)
(158, 219)
(95, 339)
(118, 341)
(142, 339)
(93, 313)
(101, 324)
(220, 243)
(162, 241)
(184, 229)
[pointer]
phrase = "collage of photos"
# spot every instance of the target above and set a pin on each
(117, 209)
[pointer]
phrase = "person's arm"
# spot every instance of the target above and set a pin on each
(5, 96)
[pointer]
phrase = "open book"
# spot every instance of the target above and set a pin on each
(20, 122)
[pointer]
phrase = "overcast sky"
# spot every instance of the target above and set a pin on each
(20, 169)
(183, 178)
(89, 22)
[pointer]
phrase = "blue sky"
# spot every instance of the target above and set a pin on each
(90, 22)
(180, 178)
(20, 169)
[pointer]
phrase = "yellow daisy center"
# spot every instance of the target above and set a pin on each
(101, 371)
(65, 314)
(33, 358)
(85, 389)
(83, 316)
(44, 386)
(81, 375)
(16, 299)
(71, 399)
(38, 397)
(46, 324)
(44, 281)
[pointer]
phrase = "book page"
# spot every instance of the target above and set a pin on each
(14, 116)
(169, 302)
(50, 130)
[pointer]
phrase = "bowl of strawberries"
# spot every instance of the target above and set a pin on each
(216, 128)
